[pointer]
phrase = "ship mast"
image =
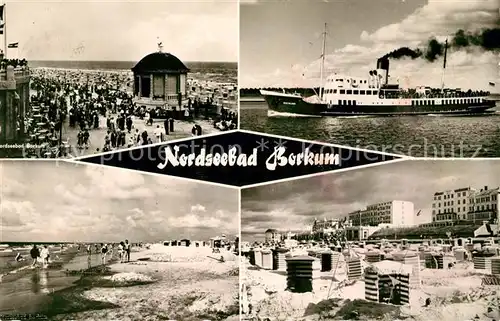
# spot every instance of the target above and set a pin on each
(444, 64)
(322, 64)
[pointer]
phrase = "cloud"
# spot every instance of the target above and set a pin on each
(68, 202)
(125, 31)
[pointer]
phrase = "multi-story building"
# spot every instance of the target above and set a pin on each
(484, 206)
(451, 205)
(272, 236)
(465, 205)
(397, 213)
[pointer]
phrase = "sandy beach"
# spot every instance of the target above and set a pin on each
(456, 294)
(178, 283)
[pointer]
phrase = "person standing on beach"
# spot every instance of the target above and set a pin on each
(127, 250)
(121, 251)
(44, 255)
(104, 251)
(35, 253)
(158, 133)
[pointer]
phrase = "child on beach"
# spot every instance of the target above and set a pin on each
(121, 251)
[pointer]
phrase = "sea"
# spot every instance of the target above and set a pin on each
(416, 136)
(216, 71)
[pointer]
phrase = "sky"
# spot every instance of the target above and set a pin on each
(59, 201)
(281, 40)
(293, 205)
(201, 30)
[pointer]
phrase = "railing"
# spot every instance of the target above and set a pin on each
(18, 73)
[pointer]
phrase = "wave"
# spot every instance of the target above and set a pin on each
(273, 113)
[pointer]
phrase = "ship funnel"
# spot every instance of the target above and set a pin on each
(383, 68)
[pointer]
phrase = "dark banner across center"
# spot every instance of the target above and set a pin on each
(239, 158)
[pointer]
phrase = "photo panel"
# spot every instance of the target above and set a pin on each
(412, 240)
(85, 242)
(140, 73)
(341, 71)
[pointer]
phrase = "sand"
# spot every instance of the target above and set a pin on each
(189, 286)
(182, 129)
(456, 295)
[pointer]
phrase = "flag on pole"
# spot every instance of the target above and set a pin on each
(2, 24)
(418, 213)
(492, 83)
(13, 45)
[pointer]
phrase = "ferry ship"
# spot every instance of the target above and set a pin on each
(373, 95)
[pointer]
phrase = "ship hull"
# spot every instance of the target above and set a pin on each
(297, 105)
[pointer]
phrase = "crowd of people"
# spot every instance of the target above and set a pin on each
(107, 250)
(93, 101)
(39, 255)
(16, 63)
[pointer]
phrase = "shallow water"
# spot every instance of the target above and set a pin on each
(418, 136)
(29, 292)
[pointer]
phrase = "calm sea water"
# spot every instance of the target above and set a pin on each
(28, 291)
(223, 68)
(418, 136)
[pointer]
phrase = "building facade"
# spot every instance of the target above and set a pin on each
(466, 205)
(272, 236)
(397, 213)
(14, 103)
(319, 226)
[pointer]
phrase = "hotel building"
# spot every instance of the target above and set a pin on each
(396, 213)
(465, 205)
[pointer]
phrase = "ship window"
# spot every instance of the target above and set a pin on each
(374, 92)
(356, 92)
(354, 81)
(348, 80)
(344, 102)
(342, 91)
(335, 91)
(340, 102)
(413, 103)
(354, 102)
(362, 92)
(349, 103)
(349, 92)
(368, 92)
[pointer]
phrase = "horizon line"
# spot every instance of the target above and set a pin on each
(108, 60)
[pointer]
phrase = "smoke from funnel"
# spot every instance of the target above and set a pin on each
(487, 39)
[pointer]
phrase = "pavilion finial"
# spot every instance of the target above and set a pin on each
(160, 45)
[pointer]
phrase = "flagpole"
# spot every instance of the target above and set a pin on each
(5, 30)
